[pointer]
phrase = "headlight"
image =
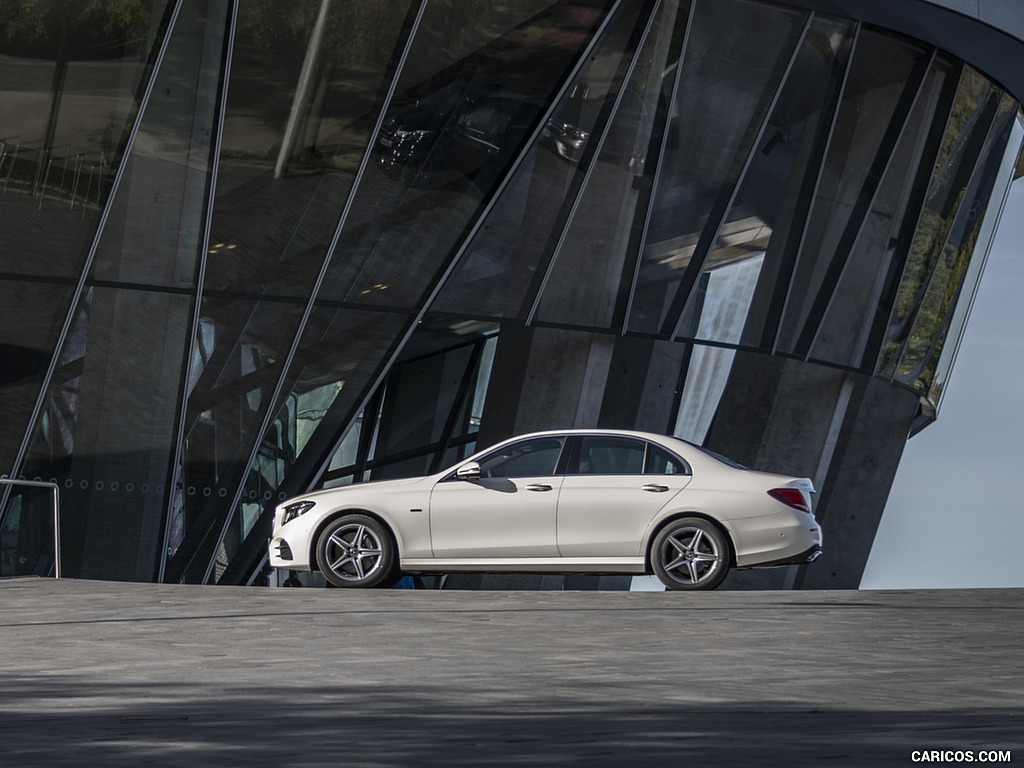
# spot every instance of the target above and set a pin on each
(293, 511)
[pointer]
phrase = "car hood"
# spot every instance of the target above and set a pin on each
(359, 487)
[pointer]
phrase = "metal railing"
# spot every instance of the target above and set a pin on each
(56, 513)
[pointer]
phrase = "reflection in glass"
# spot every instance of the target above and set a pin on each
(108, 419)
(938, 297)
(108, 429)
(593, 267)
(720, 103)
(874, 258)
(964, 142)
(483, 103)
(71, 78)
(342, 355)
(884, 79)
(971, 278)
(30, 330)
(241, 346)
(70, 84)
(320, 87)
(763, 224)
(504, 266)
(425, 416)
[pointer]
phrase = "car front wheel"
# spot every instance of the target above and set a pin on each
(690, 553)
(356, 551)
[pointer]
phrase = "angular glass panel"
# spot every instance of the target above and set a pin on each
(946, 279)
(848, 322)
(108, 429)
(306, 90)
(70, 84)
(593, 267)
(342, 356)
(30, 330)
(154, 223)
(420, 399)
(885, 76)
(109, 416)
(752, 244)
(463, 105)
(26, 538)
(1014, 146)
(463, 108)
(241, 346)
(503, 268)
(971, 118)
(434, 413)
(736, 54)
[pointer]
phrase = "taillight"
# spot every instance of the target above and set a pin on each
(791, 497)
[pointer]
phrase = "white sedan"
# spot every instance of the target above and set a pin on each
(570, 501)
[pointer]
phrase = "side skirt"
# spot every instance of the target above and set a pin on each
(532, 564)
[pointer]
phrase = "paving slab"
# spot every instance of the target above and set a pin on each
(117, 674)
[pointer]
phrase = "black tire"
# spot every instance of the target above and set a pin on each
(690, 553)
(356, 551)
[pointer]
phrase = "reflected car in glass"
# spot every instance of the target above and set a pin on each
(457, 129)
(572, 501)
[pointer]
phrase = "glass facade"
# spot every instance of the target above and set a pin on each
(249, 248)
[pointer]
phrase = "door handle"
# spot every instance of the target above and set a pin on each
(538, 487)
(654, 488)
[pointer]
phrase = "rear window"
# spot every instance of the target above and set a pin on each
(719, 457)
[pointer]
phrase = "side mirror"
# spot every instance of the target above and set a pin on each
(470, 471)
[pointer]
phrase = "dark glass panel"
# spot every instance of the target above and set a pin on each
(304, 96)
(29, 328)
(342, 355)
(109, 417)
(430, 406)
(240, 348)
(463, 108)
(107, 429)
(26, 538)
(946, 278)
(845, 329)
(420, 399)
(71, 76)
(736, 54)
(751, 245)
(598, 252)
(885, 75)
(503, 268)
(154, 226)
(971, 117)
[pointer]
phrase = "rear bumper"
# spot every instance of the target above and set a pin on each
(809, 555)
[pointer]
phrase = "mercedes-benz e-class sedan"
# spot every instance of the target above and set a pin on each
(571, 501)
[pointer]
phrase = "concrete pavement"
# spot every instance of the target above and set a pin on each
(115, 674)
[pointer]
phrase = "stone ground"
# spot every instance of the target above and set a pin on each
(117, 674)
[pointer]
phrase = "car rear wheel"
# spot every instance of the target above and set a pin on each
(690, 553)
(356, 551)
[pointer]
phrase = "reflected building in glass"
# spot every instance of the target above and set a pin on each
(251, 248)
